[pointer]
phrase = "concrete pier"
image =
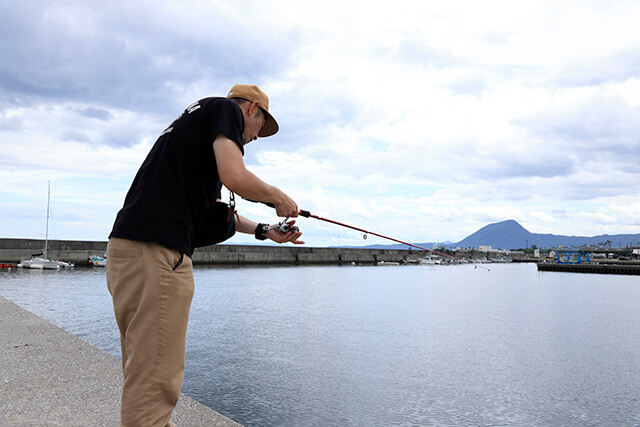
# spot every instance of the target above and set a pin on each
(78, 252)
(49, 377)
(592, 268)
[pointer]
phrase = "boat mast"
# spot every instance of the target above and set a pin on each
(46, 236)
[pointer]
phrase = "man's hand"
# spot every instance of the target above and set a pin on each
(286, 207)
(279, 237)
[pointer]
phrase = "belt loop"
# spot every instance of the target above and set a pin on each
(179, 263)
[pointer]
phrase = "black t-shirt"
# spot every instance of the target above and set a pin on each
(178, 182)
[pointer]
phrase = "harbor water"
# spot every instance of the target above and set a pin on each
(502, 344)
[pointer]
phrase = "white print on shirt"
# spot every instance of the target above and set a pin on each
(193, 107)
(190, 109)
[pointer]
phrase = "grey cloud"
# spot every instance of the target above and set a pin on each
(542, 166)
(573, 188)
(568, 188)
(120, 57)
(96, 113)
(509, 165)
(75, 136)
(107, 56)
(10, 123)
(615, 68)
(601, 130)
(128, 134)
(472, 85)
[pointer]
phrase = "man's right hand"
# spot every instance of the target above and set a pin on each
(286, 207)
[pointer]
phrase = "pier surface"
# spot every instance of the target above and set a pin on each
(49, 377)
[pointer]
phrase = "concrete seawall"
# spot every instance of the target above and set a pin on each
(632, 269)
(13, 250)
(78, 252)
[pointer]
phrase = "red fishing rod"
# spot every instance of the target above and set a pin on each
(308, 214)
(285, 228)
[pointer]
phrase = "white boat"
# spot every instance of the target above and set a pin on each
(40, 261)
(98, 261)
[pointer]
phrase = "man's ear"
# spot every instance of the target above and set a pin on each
(253, 108)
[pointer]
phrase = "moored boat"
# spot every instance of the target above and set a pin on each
(98, 261)
(40, 261)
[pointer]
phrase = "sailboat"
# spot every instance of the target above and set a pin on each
(40, 261)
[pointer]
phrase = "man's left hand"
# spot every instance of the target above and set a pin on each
(279, 237)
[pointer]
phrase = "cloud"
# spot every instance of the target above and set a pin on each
(596, 71)
(96, 113)
(108, 55)
(596, 130)
(472, 85)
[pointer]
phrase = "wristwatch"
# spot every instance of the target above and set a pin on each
(261, 230)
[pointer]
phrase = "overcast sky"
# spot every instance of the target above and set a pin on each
(420, 120)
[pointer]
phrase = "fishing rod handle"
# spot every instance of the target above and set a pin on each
(304, 213)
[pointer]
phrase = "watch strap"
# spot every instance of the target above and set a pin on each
(260, 231)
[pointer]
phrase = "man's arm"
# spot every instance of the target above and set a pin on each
(235, 176)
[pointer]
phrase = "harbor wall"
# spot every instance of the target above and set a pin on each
(625, 268)
(78, 252)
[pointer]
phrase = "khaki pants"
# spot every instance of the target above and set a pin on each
(152, 294)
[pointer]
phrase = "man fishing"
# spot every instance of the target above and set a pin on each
(173, 206)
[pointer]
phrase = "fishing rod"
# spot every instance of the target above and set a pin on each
(285, 228)
(308, 214)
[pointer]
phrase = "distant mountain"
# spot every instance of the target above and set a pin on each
(511, 235)
(503, 235)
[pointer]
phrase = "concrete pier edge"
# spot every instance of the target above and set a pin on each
(49, 377)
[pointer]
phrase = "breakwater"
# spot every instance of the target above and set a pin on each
(78, 252)
(630, 268)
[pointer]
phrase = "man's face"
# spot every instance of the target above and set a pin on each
(252, 125)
